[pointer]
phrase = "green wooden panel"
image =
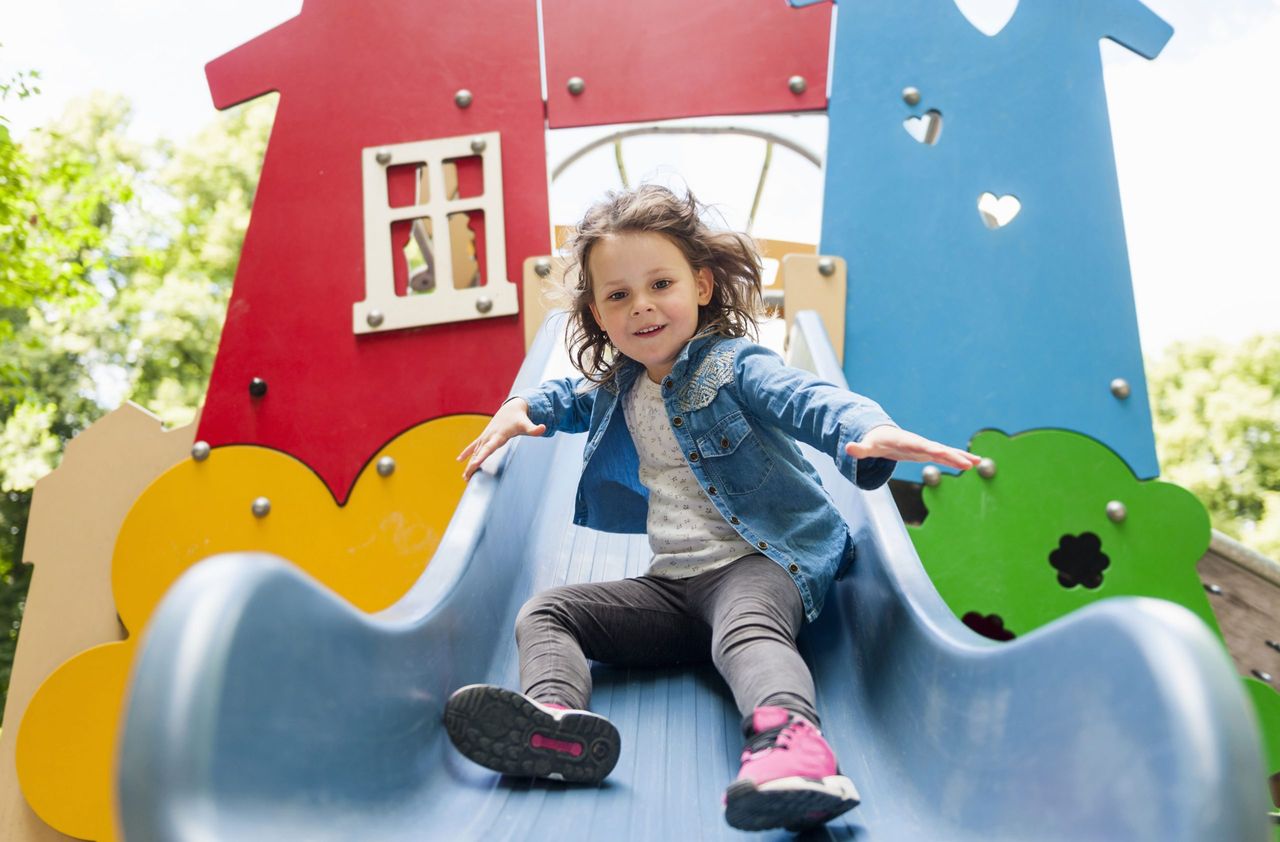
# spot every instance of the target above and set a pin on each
(989, 544)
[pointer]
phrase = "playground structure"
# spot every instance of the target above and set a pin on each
(361, 351)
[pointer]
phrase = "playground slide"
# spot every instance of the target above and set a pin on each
(264, 707)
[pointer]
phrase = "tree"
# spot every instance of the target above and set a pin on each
(1217, 417)
(116, 264)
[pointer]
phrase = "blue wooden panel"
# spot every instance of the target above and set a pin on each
(956, 327)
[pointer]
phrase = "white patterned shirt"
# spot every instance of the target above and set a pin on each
(687, 534)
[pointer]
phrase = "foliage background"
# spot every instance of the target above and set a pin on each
(116, 261)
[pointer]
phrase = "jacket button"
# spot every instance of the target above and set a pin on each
(666, 383)
(678, 421)
(693, 456)
(711, 489)
(724, 443)
(762, 545)
(734, 520)
(794, 568)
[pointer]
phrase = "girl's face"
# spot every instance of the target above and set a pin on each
(645, 296)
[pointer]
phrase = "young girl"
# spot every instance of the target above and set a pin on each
(691, 431)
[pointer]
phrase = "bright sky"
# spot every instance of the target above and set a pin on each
(1194, 131)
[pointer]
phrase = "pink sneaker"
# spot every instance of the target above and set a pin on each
(788, 778)
(512, 734)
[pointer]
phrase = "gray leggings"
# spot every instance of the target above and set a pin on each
(744, 617)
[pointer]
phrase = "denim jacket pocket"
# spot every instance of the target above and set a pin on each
(733, 457)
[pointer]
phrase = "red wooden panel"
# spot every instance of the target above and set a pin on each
(351, 75)
(662, 59)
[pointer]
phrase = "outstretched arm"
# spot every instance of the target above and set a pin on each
(511, 420)
(555, 406)
(890, 442)
(859, 435)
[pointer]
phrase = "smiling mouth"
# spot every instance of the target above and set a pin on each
(648, 331)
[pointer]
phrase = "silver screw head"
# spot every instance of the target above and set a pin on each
(382, 157)
(484, 304)
(1216, 590)
(375, 318)
(798, 85)
(462, 98)
(826, 267)
(261, 507)
(911, 96)
(1116, 511)
(479, 145)
(1262, 675)
(386, 466)
(1120, 388)
(987, 468)
(200, 451)
(931, 475)
(576, 85)
(542, 266)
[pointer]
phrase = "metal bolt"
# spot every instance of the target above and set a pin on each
(479, 145)
(257, 387)
(200, 451)
(261, 507)
(911, 96)
(931, 475)
(542, 266)
(1214, 589)
(576, 85)
(826, 267)
(1120, 388)
(374, 318)
(383, 157)
(1116, 511)
(1261, 675)
(1274, 645)
(987, 468)
(386, 466)
(462, 98)
(484, 304)
(798, 85)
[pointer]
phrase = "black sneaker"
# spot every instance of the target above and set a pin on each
(510, 733)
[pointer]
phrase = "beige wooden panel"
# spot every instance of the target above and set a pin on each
(778, 249)
(808, 289)
(535, 303)
(76, 512)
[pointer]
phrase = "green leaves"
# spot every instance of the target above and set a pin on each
(116, 263)
(1216, 409)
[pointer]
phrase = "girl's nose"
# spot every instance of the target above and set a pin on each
(640, 304)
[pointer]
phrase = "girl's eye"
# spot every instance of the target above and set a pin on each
(662, 284)
(616, 296)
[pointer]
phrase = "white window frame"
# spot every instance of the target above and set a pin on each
(382, 310)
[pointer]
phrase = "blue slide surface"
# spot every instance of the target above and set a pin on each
(263, 707)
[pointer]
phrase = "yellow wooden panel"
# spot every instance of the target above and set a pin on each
(69, 607)
(369, 551)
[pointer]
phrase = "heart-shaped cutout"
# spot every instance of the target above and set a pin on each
(997, 212)
(987, 16)
(926, 128)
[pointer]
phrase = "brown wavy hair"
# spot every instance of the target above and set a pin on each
(736, 305)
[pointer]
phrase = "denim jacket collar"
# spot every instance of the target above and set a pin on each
(690, 356)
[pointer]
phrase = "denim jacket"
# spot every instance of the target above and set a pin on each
(735, 409)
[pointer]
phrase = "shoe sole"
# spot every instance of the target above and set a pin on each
(506, 732)
(792, 803)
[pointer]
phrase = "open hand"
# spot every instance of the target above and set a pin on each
(512, 419)
(890, 442)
